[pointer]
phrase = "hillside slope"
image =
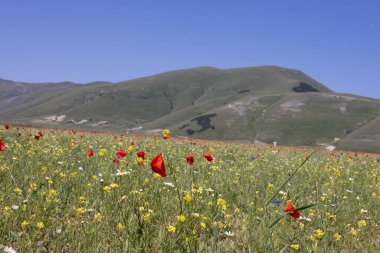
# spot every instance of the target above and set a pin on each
(258, 103)
(366, 138)
(14, 94)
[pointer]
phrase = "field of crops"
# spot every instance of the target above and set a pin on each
(68, 191)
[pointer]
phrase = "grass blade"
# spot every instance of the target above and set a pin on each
(307, 207)
(290, 177)
(276, 220)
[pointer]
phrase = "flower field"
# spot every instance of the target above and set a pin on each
(73, 191)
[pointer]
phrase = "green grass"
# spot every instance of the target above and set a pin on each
(54, 198)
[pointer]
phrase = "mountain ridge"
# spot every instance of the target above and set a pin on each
(265, 103)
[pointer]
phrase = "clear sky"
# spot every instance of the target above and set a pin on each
(337, 42)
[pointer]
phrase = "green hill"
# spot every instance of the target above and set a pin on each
(249, 104)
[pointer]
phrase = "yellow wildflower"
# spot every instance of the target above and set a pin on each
(53, 193)
(114, 185)
(120, 227)
(188, 198)
(40, 225)
(140, 161)
(102, 152)
(171, 229)
(165, 132)
(319, 233)
(18, 191)
(181, 218)
(295, 246)
(24, 224)
(146, 217)
(98, 217)
(220, 202)
(337, 236)
(362, 223)
(80, 211)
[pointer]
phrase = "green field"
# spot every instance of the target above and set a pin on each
(56, 198)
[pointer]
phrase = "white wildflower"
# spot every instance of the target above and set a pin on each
(229, 233)
(169, 184)
(8, 249)
(305, 218)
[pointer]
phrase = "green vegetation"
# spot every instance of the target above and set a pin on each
(54, 197)
(249, 104)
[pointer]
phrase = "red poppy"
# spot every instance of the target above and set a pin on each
(290, 209)
(19, 134)
(141, 154)
(37, 137)
(90, 153)
(7, 127)
(158, 165)
(120, 153)
(208, 156)
(166, 136)
(2, 146)
(132, 143)
(115, 161)
(190, 159)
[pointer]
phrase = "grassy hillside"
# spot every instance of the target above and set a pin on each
(367, 137)
(258, 103)
(14, 94)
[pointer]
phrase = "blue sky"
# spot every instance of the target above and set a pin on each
(335, 42)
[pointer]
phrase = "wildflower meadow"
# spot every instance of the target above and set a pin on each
(83, 191)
